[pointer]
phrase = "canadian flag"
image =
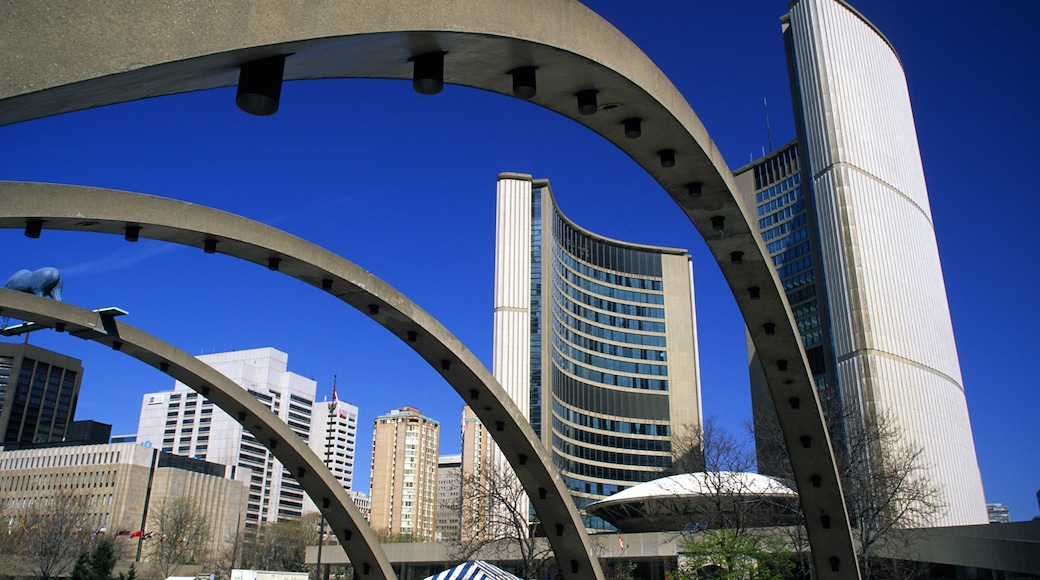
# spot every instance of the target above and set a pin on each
(336, 399)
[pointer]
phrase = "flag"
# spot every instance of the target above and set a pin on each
(335, 399)
(621, 542)
(137, 534)
(123, 533)
(162, 538)
(148, 536)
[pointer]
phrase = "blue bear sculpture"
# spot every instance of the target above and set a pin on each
(44, 282)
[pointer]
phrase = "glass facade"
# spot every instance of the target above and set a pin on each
(607, 364)
(38, 392)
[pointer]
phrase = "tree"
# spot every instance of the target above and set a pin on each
(95, 563)
(184, 535)
(494, 514)
(278, 546)
(726, 554)
(55, 532)
(886, 485)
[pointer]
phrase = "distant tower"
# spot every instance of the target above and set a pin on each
(403, 484)
(449, 494)
(845, 216)
(186, 423)
(333, 439)
(38, 393)
(595, 339)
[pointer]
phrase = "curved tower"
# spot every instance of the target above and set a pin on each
(890, 322)
(596, 338)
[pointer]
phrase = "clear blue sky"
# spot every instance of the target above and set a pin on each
(406, 190)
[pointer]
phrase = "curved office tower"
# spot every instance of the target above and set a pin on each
(597, 339)
(892, 336)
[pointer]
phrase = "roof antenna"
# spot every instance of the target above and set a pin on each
(769, 133)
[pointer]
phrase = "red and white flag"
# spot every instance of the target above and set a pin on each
(621, 542)
(336, 399)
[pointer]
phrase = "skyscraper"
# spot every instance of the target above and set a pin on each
(38, 392)
(595, 339)
(858, 180)
(449, 495)
(403, 483)
(186, 423)
(333, 439)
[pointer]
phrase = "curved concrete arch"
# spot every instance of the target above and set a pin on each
(357, 538)
(65, 56)
(77, 208)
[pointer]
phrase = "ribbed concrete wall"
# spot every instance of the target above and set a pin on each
(893, 336)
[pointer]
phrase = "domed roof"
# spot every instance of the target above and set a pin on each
(712, 498)
(701, 483)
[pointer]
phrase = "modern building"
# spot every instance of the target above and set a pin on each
(595, 339)
(363, 503)
(122, 486)
(998, 513)
(333, 439)
(844, 212)
(449, 496)
(403, 483)
(184, 422)
(38, 393)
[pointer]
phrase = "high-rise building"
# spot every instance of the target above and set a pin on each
(595, 339)
(186, 423)
(845, 215)
(449, 496)
(121, 485)
(38, 393)
(998, 513)
(403, 483)
(333, 439)
(363, 503)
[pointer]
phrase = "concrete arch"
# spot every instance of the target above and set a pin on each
(355, 535)
(76, 208)
(65, 56)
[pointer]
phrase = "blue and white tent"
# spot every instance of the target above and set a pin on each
(473, 570)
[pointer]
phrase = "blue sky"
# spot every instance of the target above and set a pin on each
(403, 185)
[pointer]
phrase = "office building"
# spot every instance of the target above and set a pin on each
(595, 339)
(449, 497)
(363, 503)
(998, 513)
(333, 439)
(123, 485)
(855, 174)
(38, 393)
(183, 422)
(403, 484)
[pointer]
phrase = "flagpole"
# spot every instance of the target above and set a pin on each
(333, 408)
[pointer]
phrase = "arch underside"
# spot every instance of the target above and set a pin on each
(65, 56)
(76, 208)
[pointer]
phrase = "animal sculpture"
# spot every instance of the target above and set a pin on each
(44, 282)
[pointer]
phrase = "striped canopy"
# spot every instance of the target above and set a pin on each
(473, 570)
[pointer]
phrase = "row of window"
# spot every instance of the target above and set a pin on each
(612, 278)
(563, 304)
(604, 290)
(777, 189)
(609, 425)
(787, 241)
(791, 254)
(784, 214)
(565, 349)
(62, 460)
(603, 472)
(606, 305)
(780, 201)
(609, 456)
(613, 441)
(604, 254)
(782, 229)
(607, 348)
(794, 267)
(583, 326)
